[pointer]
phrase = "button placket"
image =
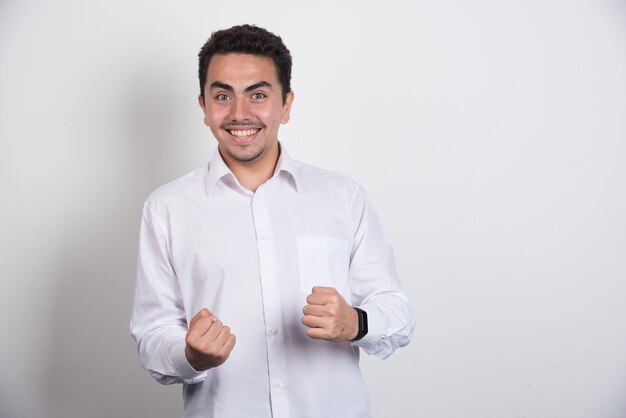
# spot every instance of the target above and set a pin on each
(272, 307)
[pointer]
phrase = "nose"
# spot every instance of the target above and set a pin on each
(240, 109)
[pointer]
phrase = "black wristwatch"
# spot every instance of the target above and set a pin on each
(362, 324)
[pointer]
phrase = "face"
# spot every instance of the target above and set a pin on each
(244, 108)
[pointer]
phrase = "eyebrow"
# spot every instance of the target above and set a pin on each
(258, 86)
(228, 87)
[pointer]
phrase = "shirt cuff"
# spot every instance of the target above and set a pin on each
(374, 342)
(186, 372)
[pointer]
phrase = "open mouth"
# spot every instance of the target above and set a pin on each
(243, 133)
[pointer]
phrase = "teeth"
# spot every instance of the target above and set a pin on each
(242, 134)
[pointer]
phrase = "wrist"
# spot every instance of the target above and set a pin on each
(192, 360)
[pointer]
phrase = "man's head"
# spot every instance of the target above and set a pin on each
(245, 95)
(252, 40)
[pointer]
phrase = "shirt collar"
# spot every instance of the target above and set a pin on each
(287, 166)
(219, 171)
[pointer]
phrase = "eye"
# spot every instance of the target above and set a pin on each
(258, 96)
(222, 97)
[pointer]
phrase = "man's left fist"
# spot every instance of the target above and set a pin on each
(329, 317)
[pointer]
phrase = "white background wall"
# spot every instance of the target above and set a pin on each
(489, 134)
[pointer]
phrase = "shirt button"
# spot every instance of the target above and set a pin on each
(263, 236)
(273, 331)
(280, 384)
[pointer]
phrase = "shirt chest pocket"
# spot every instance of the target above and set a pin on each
(323, 261)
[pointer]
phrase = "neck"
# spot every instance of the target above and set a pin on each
(252, 174)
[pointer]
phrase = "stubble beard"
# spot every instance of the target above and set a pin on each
(246, 157)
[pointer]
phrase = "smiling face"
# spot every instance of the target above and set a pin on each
(244, 108)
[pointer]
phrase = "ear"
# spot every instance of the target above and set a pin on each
(201, 102)
(287, 107)
(203, 107)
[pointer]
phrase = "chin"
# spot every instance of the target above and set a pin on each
(247, 155)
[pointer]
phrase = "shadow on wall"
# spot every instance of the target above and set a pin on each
(94, 370)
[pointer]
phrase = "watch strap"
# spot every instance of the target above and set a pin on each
(362, 324)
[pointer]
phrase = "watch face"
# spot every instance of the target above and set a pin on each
(362, 315)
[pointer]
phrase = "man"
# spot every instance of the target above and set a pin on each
(288, 257)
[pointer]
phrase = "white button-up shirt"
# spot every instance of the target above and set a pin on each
(252, 259)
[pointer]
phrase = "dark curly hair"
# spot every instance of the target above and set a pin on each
(247, 39)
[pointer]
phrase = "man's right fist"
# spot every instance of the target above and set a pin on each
(208, 341)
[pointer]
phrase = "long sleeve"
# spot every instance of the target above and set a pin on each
(158, 323)
(375, 286)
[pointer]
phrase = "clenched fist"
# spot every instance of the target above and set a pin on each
(329, 317)
(208, 341)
